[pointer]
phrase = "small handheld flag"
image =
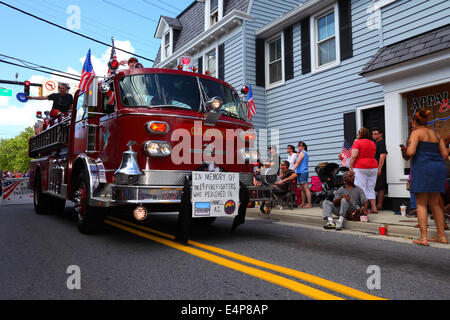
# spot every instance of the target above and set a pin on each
(251, 108)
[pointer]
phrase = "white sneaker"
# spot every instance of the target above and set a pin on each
(330, 225)
(339, 226)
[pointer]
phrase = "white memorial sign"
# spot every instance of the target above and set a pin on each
(215, 194)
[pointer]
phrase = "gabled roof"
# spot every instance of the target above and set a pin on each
(172, 22)
(415, 47)
(192, 21)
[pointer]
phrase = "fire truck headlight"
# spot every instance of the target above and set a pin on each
(152, 148)
(157, 148)
(214, 104)
(165, 149)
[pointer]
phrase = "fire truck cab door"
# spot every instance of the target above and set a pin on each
(84, 125)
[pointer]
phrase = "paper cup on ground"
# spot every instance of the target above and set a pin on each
(383, 230)
(403, 210)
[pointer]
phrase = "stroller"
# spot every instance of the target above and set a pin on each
(331, 176)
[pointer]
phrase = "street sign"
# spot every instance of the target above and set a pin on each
(5, 92)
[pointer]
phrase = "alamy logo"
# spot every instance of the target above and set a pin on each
(74, 20)
(374, 281)
(74, 280)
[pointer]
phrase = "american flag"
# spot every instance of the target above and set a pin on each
(346, 152)
(251, 108)
(88, 74)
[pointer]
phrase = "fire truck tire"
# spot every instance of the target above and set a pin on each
(41, 201)
(89, 219)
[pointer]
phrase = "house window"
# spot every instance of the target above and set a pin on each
(211, 63)
(213, 12)
(167, 44)
(274, 61)
(325, 40)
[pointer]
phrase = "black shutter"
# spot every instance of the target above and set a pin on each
(345, 29)
(200, 65)
(306, 46)
(288, 53)
(350, 127)
(221, 61)
(260, 62)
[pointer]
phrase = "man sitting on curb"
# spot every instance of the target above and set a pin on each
(347, 199)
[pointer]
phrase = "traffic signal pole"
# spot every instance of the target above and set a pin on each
(21, 83)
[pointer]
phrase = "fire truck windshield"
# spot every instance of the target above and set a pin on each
(174, 90)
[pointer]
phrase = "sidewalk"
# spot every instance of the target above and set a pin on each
(396, 225)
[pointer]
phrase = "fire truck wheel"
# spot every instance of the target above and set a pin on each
(41, 201)
(89, 219)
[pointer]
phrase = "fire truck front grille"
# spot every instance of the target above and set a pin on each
(176, 178)
(162, 177)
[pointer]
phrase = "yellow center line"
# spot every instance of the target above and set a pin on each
(278, 280)
(297, 274)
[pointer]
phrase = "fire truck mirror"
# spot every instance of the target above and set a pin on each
(104, 88)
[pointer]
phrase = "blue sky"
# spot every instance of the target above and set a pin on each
(132, 23)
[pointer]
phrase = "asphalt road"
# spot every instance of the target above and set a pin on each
(45, 257)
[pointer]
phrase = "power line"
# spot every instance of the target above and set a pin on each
(152, 4)
(130, 11)
(168, 4)
(39, 70)
(96, 24)
(34, 65)
(74, 32)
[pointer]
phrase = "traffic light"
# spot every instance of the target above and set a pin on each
(26, 88)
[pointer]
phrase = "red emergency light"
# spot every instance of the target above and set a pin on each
(113, 64)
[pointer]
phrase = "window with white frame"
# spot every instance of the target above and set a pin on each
(325, 39)
(274, 61)
(213, 12)
(210, 66)
(167, 44)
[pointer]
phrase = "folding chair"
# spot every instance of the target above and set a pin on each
(285, 200)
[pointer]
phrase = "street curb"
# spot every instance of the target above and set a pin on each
(364, 227)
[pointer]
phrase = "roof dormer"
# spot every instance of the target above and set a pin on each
(213, 12)
(165, 32)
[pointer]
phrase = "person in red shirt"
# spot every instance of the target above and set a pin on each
(365, 166)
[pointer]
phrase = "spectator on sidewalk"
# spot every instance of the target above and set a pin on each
(381, 186)
(428, 152)
(347, 199)
(274, 159)
(281, 187)
(365, 166)
(292, 155)
(301, 169)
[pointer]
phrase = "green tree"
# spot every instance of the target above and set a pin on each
(14, 152)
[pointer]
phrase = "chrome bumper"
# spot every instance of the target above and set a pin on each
(122, 194)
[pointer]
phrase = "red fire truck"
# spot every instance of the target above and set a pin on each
(132, 139)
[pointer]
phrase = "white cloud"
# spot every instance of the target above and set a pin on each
(14, 113)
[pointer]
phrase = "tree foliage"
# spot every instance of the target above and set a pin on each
(14, 152)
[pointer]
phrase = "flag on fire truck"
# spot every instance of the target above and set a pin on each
(251, 108)
(87, 74)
